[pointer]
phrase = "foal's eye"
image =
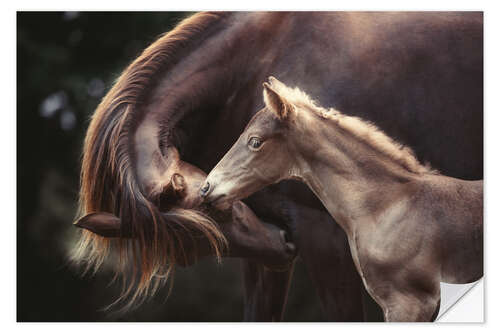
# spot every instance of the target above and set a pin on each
(255, 143)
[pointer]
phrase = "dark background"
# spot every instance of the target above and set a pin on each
(66, 62)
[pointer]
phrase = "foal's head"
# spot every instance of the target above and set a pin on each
(264, 153)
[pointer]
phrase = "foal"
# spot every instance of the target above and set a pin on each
(408, 227)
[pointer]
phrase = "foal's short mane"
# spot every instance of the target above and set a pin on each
(109, 179)
(361, 129)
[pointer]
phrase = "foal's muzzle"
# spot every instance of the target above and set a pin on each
(205, 189)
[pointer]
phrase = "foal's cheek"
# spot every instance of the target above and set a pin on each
(276, 166)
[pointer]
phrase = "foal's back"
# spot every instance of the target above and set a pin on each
(456, 207)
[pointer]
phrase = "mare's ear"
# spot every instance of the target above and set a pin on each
(103, 224)
(279, 105)
(178, 183)
(172, 192)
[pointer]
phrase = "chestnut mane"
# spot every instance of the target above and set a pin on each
(109, 178)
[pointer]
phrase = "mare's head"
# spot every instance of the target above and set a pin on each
(246, 234)
(264, 153)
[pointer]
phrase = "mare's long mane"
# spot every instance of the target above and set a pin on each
(109, 179)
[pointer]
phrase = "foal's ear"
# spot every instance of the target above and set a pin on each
(275, 82)
(276, 103)
(102, 224)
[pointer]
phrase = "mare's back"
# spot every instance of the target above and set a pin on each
(418, 76)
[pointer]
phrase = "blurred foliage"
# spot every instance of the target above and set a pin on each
(66, 62)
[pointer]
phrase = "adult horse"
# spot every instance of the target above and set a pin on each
(197, 86)
(243, 235)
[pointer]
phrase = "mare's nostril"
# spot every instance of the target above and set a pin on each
(291, 248)
(284, 236)
(204, 189)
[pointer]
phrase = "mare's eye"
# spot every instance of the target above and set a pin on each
(255, 143)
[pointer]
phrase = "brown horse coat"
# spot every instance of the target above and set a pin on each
(197, 86)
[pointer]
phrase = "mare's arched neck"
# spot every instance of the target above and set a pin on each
(210, 81)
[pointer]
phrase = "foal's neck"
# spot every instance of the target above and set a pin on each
(350, 176)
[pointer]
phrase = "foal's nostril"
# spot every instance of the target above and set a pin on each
(204, 190)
